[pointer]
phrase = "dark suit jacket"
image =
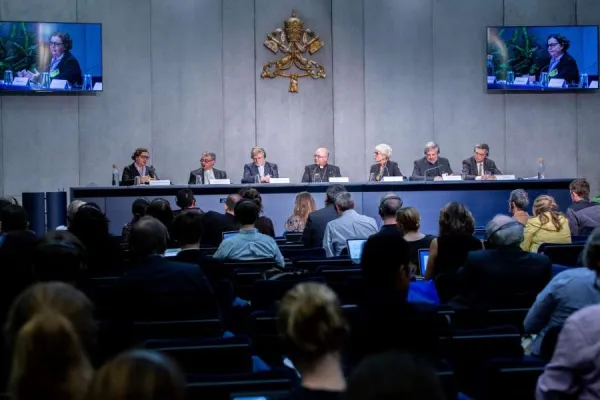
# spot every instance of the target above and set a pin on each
(391, 169)
(317, 221)
(565, 69)
(68, 69)
(251, 170)
(311, 170)
(500, 277)
(469, 167)
(213, 226)
(159, 289)
(200, 172)
(422, 165)
(130, 172)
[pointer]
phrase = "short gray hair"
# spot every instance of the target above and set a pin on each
(73, 208)
(430, 146)
(344, 201)
(520, 198)
(384, 149)
(591, 252)
(212, 155)
(502, 230)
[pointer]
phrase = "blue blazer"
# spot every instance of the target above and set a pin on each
(251, 170)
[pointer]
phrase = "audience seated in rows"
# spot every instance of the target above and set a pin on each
(388, 207)
(313, 328)
(504, 275)
(583, 214)
(303, 206)
(263, 224)
(138, 210)
(350, 225)
(317, 221)
(547, 225)
(409, 222)
(249, 243)
(517, 206)
(573, 370)
(566, 293)
(214, 223)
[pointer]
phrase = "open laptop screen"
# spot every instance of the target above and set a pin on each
(423, 257)
(355, 248)
(227, 235)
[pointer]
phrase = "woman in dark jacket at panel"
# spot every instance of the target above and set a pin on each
(383, 166)
(561, 65)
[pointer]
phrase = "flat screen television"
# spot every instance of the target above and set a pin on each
(50, 57)
(542, 58)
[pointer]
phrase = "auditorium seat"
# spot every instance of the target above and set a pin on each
(265, 293)
(562, 253)
(293, 237)
(312, 264)
(193, 329)
(510, 379)
(272, 385)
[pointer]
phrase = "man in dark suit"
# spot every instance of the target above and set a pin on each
(206, 172)
(214, 223)
(156, 288)
(432, 166)
(321, 170)
(259, 170)
(479, 164)
(317, 221)
(505, 275)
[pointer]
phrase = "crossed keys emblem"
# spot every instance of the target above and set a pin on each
(294, 41)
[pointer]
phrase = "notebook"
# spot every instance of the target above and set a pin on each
(423, 257)
(355, 248)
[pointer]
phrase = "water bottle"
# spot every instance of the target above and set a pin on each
(541, 169)
(115, 175)
(584, 81)
(490, 66)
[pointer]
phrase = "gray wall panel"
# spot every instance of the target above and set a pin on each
(292, 126)
(398, 78)
(112, 124)
(187, 84)
(239, 134)
(464, 114)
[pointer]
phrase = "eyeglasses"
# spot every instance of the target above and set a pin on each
(145, 157)
(480, 154)
(551, 45)
(206, 160)
(55, 44)
(318, 156)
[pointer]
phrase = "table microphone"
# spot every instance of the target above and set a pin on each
(429, 169)
(152, 172)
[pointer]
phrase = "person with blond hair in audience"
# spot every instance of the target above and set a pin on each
(409, 222)
(547, 225)
(138, 374)
(303, 205)
(50, 331)
(313, 328)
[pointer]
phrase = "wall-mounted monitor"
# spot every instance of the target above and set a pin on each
(50, 57)
(542, 58)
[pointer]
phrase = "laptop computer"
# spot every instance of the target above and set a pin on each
(355, 248)
(423, 257)
(227, 235)
(171, 252)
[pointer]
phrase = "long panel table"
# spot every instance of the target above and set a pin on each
(484, 198)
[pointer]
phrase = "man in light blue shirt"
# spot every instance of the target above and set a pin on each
(350, 225)
(248, 244)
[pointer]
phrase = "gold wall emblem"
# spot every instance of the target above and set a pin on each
(293, 41)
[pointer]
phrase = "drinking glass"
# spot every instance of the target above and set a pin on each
(198, 180)
(317, 178)
(584, 81)
(137, 181)
(8, 77)
(256, 178)
(510, 78)
(45, 82)
(544, 79)
(371, 177)
(87, 82)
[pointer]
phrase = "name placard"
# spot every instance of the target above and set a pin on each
(505, 177)
(451, 178)
(219, 181)
(594, 85)
(97, 86)
(160, 182)
(58, 84)
(556, 83)
(491, 80)
(521, 80)
(279, 180)
(339, 179)
(393, 179)
(20, 81)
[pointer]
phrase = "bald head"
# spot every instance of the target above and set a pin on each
(503, 230)
(321, 156)
(148, 236)
(231, 201)
(389, 205)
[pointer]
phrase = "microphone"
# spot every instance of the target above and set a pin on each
(429, 169)
(152, 172)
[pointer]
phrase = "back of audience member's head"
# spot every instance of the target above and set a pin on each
(253, 195)
(73, 208)
(187, 228)
(148, 236)
(503, 231)
(580, 187)
(137, 375)
(14, 218)
(50, 330)
(344, 202)
(392, 375)
(60, 256)
(7, 201)
(332, 192)
(231, 201)
(185, 199)
(455, 218)
(389, 205)
(385, 262)
(519, 200)
(591, 252)
(161, 210)
(16, 258)
(408, 219)
(311, 323)
(138, 208)
(90, 225)
(246, 212)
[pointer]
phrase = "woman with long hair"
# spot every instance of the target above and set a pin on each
(547, 225)
(304, 205)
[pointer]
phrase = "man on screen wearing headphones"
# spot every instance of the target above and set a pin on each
(432, 166)
(479, 164)
(259, 170)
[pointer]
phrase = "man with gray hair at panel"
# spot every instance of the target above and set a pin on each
(432, 166)
(350, 225)
(206, 172)
(321, 170)
(503, 275)
(517, 205)
(71, 211)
